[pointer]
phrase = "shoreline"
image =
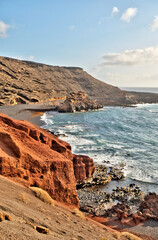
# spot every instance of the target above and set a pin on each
(27, 112)
(33, 113)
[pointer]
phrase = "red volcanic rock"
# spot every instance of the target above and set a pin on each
(83, 167)
(138, 219)
(79, 169)
(149, 207)
(34, 157)
(89, 165)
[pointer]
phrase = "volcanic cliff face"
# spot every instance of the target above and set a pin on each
(30, 82)
(34, 157)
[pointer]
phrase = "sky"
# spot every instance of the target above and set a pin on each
(116, 41)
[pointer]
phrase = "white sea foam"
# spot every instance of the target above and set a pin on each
(45, 118)
(140, 105)
(137, 171)
(127, 136)
(73, 128)
(76, 142)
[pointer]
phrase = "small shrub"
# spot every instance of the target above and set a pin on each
(42, 209)
(78, 213)
(130, 236)
(43, 195)
(24, 198)
(116, 235)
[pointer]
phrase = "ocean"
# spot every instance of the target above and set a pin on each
(139, 89)
(115, 136)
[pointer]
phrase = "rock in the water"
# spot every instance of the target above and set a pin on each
(77, 102)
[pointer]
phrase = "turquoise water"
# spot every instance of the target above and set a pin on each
(117, 135)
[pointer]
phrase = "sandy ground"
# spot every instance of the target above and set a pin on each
(28, 112)
(149, 228)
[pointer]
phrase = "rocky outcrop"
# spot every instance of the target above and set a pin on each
(34, 157)
(83, 167)
(30, 82)
(148, 210)
(149, 207)
(77, 102)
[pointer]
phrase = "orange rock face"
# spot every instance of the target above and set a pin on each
(83, 167)
(34, 157)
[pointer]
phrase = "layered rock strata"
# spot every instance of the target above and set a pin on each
(31, 82)
(34, 157)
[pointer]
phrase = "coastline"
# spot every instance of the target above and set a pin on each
(32, 113)
(28, 112)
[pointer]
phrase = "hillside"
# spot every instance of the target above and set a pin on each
(26, 82)
(27, 212)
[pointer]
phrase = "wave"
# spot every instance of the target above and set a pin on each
(45, 118)
(145, 104)
(115, 135)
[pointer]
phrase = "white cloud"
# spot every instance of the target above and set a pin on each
(115, 10)
(3, 29)
(30, 58)
(132, 57)
(129, 14)
(154, 24)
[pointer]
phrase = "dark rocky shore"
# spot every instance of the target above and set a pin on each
(128, 204)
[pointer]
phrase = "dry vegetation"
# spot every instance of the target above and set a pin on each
(130, 236)
(43, 195)
(78, 213)
(116, 235)
(24, 198)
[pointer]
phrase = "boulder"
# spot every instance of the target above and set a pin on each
(77, 102)
(149, 207)
(83, 167)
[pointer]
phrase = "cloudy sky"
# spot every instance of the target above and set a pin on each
(116, 41)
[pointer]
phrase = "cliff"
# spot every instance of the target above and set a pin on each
(34, 157)
(30, 82)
